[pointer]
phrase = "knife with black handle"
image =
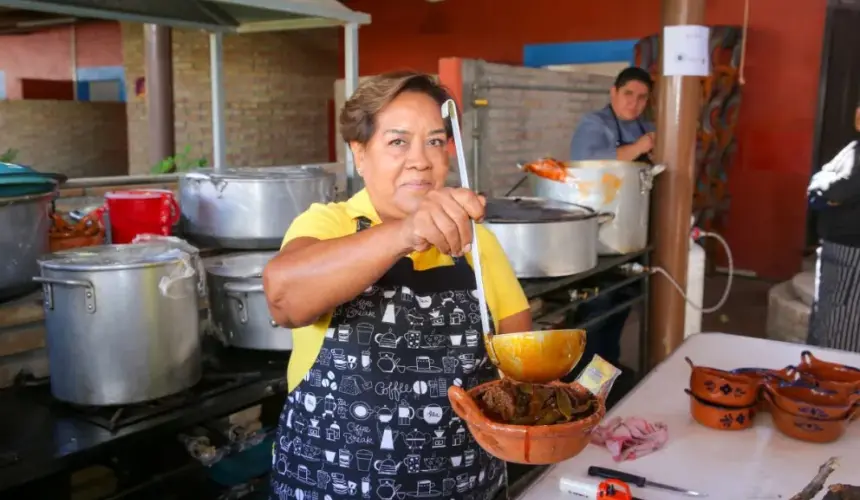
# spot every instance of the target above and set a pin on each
(639, 481)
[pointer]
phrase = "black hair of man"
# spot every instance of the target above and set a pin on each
(634, 74)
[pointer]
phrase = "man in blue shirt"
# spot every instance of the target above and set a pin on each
(618, 132)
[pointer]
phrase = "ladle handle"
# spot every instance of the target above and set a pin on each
(449, 110)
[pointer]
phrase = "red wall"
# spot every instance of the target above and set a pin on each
(767, 218)
(47, 55)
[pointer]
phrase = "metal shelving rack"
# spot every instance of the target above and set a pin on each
(573, 284)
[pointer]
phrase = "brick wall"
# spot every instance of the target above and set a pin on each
(277, 87)
(521, 124)
(79, 139)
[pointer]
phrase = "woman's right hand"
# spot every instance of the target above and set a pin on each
(444, 220)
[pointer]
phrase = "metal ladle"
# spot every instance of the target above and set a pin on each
(538, 356)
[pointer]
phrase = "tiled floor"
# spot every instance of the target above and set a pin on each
(744, 313)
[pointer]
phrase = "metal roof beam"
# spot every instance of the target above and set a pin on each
(115, 15)
(329, 9)
(287, 24)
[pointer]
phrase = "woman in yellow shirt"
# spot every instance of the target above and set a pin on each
(380, 294)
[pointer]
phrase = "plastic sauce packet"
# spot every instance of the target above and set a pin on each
(598, 376)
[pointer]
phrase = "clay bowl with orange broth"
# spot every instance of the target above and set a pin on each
(526, 444)
(536, 357)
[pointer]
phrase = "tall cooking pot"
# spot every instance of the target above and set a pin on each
(545, 238)
(122, 323)
(617, 187)
(238, 305)
(25, 222)
(249, 208)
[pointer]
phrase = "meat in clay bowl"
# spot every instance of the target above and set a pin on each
(535, 424)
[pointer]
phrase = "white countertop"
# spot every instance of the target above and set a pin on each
(758, 463)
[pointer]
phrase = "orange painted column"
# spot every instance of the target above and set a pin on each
(679, 99)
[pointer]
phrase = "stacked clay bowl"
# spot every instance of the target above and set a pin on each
(720, 399)
(819, 407)
(814, 401)
(526, 444)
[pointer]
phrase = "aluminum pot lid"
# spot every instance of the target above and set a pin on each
(517, 210)
(168, 241)
(605, 164)
(239, 266)
(292, 173)
(112, 257)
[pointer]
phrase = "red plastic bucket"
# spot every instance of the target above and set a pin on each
(132, 213)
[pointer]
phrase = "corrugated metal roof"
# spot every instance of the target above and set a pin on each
(210, 15)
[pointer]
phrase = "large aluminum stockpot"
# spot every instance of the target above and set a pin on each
(617, 187)
(122, 323)
(25, 223)
(545, 238)
(249, 208)
(238, 304)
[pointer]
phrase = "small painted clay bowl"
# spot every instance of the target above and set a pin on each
(720, 417)
(811, 401)
(832, 376)
(808, 429)
(788, 374)
(722, 387)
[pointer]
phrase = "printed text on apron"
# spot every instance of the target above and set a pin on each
(371, 419)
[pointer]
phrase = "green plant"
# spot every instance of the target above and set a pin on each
(181, 162)
(9, 156)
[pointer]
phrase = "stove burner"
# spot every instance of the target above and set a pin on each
(114, 418)
(231, 370)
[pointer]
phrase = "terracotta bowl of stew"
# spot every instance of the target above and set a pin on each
(526, 444)
(804, 428)
(719, 417)
(722, 387)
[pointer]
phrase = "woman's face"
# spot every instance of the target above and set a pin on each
(407, 156)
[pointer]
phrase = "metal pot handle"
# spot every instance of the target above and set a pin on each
(48, 294)
(237, 292)
(231, 287)
(604, 217)
(646, 177)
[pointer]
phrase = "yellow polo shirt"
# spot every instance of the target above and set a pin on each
(505, 296)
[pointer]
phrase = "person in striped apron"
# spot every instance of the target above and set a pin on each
(835, 193)
(381, 296)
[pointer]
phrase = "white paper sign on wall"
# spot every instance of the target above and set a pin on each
(686, 51)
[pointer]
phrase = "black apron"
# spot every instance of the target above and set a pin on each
(834, 321)
(644, 158)
(371, 419)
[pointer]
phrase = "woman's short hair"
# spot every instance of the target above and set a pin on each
(358, 117)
